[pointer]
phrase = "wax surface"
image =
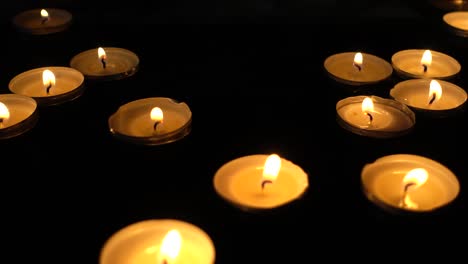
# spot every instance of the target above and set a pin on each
(408, 63)
(415, 93)
(141, 242)
(457, 19)
(373, 69)
(239, 182)
(383, 179)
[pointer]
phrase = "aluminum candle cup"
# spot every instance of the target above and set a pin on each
(18, 114)
(106, 63)
(418, 63)
(429, 95)
(139, 122)
(260, 182)
(409, 183)
(373, 116)
(42, 21)
(49, 85)
(457, 22)
(355, 68)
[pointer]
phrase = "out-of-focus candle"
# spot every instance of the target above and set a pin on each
(43, 21)
(259, 182)
(18, 114)
(357, 68)
(106, 63)
(457, 22)
(49, 85)
(418, 63)
(404, 182)
(374, 116)
(450, 5)
(430, 95)
(151, 121)
(159, 241)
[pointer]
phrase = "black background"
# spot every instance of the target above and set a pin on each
(252, 74)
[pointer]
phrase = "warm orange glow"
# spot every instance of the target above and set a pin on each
(415, 177)
(426, 58)
(367, 105)
(358, 59)
(48, 78)
(271, 168)
(157, 114)
(4, 112)
(44, 14)
(435, 90)
(170, 247)
(101, 53)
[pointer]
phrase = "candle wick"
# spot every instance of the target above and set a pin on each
(265, 182)
(45, 20)
(103, 61)
(432, 99)
(425, 67)
(371, 118)
(155, 126)
(164, 261)
(405, 193)
(357, 66)
(405, 190)
(48, 87)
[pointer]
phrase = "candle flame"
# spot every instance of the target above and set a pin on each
(358, 59)
(426, 58)
(48, 78)
(44, 14)
(101, 53)
(415, 178)
(4, 112)
(367, 105)
(435, 91)
(157, 114)
(271, 168)
(170, 247)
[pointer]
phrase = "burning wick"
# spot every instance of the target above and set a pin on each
(156, 125)
(426, 60)
(102, 55)
(435, 91)
(358, 61)
(357, 66)
(157, 116)
(413, 180)
(370, 117)
(367, 107)
(433, 98)
(45, 16)
(425, 67)
(48, 87)
(103, 61)
(264, 182)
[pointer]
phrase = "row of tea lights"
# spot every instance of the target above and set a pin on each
(401, 182)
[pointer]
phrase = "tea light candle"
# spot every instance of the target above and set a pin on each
(159, 241)
(43, 21)
(356, 68)
(457, 22)
(151, 121)
(259, 182)
(106, 63)
(450, 5)
(18, 114)
(374, 116)
(404, 182)
(49, 85)
(429, 95)
(418, 63)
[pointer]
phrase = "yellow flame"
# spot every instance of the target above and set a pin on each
(358, 59)
(367, 105)
(157, 114)
(170, 247)
(48, 78)
(271, 168)
(416, 177)
(101, 53)
(426, 58)
(44, 13)
(4, 112)
(435, 89)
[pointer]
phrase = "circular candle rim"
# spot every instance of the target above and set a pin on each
(24, 125)
(55, 99)
(458, 31)
(114, 76)
(427, 82)
(405, 74)
(219, 175)
(46, 29)
(376, 100)
(450, 5)
(155, 139)
(140, 226)
(356, 83)
(419, 161)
